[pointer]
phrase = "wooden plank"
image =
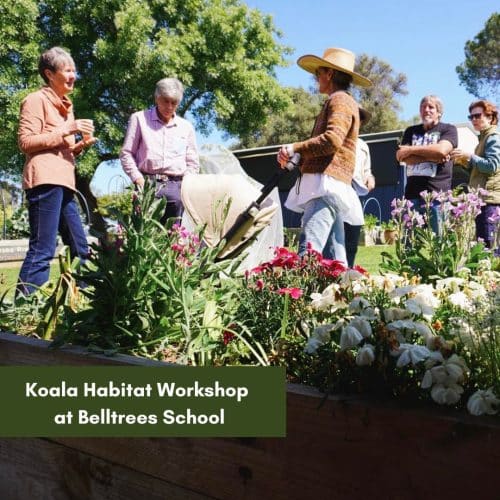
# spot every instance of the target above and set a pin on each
(338, 448)
(21, 350)
(41, 469)
(345, 449)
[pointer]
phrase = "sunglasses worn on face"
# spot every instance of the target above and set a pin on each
(475, 116)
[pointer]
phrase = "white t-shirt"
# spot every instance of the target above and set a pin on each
(311, 186)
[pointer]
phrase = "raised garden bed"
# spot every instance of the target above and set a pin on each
(338, 448)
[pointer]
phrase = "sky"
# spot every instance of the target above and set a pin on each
(423, 39)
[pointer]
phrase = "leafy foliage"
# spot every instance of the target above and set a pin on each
(381, 98)
(292, 125)
(147, 294)
(422, 252)
(296, 121)
(224, 52)
(118, 202)
(480, 72)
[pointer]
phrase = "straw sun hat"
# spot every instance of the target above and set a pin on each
(339, 59)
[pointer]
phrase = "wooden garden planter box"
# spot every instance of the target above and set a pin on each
(345, 448)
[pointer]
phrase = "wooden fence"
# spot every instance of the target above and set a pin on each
(335, 449)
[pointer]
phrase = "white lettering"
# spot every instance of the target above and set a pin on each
(191, 418)
(33, 390)
(170, 389)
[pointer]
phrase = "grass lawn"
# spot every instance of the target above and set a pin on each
(370, 257)
(9, 275)
(367, 257)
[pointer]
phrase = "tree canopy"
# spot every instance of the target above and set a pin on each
(381, 99)
(224, 52)
(480, 72)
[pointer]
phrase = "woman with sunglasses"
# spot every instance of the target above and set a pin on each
(485, 167)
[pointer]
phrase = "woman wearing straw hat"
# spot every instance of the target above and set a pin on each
(327, 159)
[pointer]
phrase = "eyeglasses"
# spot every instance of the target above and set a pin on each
(475, 116)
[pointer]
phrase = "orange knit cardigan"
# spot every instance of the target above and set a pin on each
(332, 146)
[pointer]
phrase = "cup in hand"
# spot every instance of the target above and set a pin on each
(87, 129)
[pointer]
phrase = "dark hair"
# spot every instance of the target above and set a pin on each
(488, 107)
(53, 59)
(341, 80)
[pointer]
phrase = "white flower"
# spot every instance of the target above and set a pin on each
(402, 291)
(395, 313)
(328, 299)
(450, 284)
(459, 299)
(424, 330)
(366, 355)
(423, 304)
(351, 276)
(362, 325)
(320, 336)
(464, 331)
(410, 353)
(427, 381)
(456, 367)
(369, 313)
(476, 291)
(358, 304)
(483, 403)
(446, 394)
(349, 338)
(421, 299)
(402, 324)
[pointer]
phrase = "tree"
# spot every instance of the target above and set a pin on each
(19, 50)
(480, 72)
(224, 53)
(381, 98)
(295, 123)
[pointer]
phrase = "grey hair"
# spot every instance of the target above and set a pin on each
(435, 100)
(170, 88)
(53, 59)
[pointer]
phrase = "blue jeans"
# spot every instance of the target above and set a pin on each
(323, 230)
(51, 209)
(352, 234)
(435, 214)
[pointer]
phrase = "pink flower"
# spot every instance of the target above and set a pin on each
(177, 248)
(259, 284)
(295, 293)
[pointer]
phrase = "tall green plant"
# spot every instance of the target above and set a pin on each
(153, 291)
(419, 250)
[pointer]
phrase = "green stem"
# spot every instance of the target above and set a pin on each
(284, 319)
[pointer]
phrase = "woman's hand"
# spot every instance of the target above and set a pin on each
(86, 127)
(460, 157)
(284, 155)
(370, 183)
(81, 145)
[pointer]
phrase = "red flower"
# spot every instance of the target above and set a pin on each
(295, 293)
(332, 268)
(285, 258)
(360, 269)
(227, 337)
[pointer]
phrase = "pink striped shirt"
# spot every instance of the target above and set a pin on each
(152, 146)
